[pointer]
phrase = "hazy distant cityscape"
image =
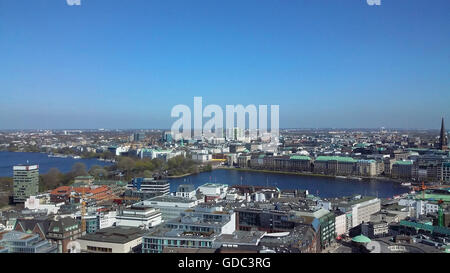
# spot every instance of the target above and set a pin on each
(126, 191)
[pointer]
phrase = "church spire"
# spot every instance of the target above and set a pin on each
(443, 137)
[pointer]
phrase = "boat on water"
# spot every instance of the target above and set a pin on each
(406, 184)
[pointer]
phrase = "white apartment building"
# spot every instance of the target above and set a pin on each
(367, 167)
(421, 207)
(120, 239)
(186, 191)
(361, 209)
(170, 206)
(341, 224)
(107, 219)
(39, 203)
(201, 157)
(139, 216)
(212, 189)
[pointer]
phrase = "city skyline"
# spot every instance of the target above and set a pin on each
(328, 65)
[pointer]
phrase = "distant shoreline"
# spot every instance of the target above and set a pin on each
(309, 174)
(180, 176)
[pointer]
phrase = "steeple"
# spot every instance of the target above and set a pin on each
(443, 141)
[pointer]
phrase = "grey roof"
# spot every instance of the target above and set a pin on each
(169, 198)
(241, 237)
(166, 232)
(63, 223)
(186, 188)
(29, 224)
(118, 235)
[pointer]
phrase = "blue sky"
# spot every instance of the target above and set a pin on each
(125, 64)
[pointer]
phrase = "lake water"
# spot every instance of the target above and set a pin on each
(9, 159)
(324, 187)
(321, 186)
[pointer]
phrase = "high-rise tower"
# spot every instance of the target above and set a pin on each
(26, 182)
(443, 141)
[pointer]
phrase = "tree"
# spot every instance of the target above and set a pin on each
(51, 180)
(98, 172)
(125, 164)
(207, 168)
(148, 173)
(79, 169)
(145, 164)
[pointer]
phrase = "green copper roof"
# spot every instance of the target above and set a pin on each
(435, 197)
(361, 239)
(300, 157)
(336, 158)
(406, 162)
(432, 229)
(361, 145)
(366, 161)
(418, 149)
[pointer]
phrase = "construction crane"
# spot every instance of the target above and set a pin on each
(82, 209)
(440, 213)
(423, 188)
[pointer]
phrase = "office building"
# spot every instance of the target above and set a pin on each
(325, 220)
(271, 221)
(149, 185)
(26, 182)
(367, 167)
(139, 216)
(62, 231)
(138, 137)
(195, 228)
(335, 165)
(21, 242)
(446, 172)
(186, 191)
(360, 209)
(213, 191)
(119, 239)
(169, 206)
(402, 169)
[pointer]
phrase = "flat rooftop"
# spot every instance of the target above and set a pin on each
(179, 234)
(169, 198)
(117, 235)
(242, 237)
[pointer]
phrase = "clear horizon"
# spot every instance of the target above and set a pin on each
(121, 64)
(168, 129)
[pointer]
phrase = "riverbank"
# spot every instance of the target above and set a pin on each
(275, 172)
(179, 176)
(63, 164)
(312, 174)
(319, 185)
